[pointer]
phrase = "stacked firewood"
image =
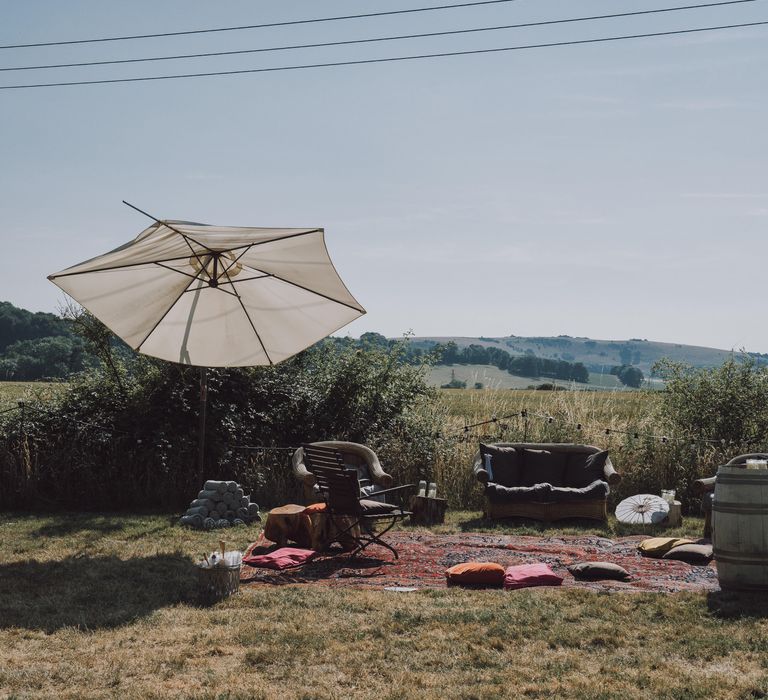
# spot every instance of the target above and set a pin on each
(220, 504)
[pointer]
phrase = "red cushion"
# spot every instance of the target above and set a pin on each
(316, 508)
(282, 558)
(476, 572)
(526, 575)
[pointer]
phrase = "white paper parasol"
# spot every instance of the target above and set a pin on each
(643, 509)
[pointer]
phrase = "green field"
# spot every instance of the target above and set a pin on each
(494, 378)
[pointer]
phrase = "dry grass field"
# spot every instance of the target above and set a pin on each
(95, 606)
(11, 392)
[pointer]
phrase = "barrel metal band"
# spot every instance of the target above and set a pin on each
(732, 586)
(739, 480)
(735, 553)
(728, 557)
(740, 508)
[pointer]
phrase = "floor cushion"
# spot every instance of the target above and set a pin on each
(526, 575)
(597, 570)
(543, 467)
(476, 573)
(505, 464)
(658, 546)
(282, 558)
(691, 553)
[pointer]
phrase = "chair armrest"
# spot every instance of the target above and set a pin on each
(611, 475)
(300, 470)
(376, 494)
(477, 468)
(378, 475)
(702, 486)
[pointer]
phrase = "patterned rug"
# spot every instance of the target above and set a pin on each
(424, 557)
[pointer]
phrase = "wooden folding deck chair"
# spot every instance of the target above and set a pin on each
(356, 517)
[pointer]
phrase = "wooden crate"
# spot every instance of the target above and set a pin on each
(427, 511)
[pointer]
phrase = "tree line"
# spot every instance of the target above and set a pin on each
(36, 345)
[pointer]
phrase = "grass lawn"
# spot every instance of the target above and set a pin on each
(102, 606)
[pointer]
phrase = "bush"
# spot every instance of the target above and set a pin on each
(127, 436)
(726, 404)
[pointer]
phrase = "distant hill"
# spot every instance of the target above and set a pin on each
(35, 345)
(597, 355)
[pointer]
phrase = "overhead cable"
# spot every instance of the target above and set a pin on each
(392, 59)
(349, 42)
(258, 26)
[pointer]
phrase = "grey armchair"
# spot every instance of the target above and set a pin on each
(370, 473)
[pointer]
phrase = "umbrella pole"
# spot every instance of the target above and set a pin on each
(201, 440)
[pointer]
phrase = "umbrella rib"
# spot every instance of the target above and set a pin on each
(312, 291)
(246, 279)
(232, 294)
(115, 267)
(295, 284)
(173, 269)
(160, 320)
(248, 316)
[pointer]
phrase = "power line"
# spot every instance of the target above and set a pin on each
(258, 26)
(387, 60)
(377, 39)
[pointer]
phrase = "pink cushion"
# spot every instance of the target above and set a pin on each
(282, 558)
(530, 575)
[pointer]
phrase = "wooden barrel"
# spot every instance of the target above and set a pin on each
(740, 528)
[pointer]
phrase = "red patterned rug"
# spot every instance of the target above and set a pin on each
(424, 557)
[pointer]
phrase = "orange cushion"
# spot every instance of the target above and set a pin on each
(476, 572)
(315, 508)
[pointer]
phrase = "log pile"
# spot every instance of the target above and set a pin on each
(220, 504)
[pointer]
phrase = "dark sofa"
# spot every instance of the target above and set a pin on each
(544, 481)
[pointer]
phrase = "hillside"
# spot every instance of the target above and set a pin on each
(597, 355)
(494, 378)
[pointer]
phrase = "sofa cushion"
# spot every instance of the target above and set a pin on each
(496, 493)
(543, 467)
(476, 573)
(505, 464)
(583, 468)
(524, 575)
(596, 490)
(597, 570)
(691, 553)
(377, 507)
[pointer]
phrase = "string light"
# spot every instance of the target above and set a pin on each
(635, 434)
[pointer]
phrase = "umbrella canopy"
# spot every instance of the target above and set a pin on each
(643, 509)
(215, 296)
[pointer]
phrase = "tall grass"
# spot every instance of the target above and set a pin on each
(429, 442)
(646, 463)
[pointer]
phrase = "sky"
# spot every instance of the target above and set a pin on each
(613, 190)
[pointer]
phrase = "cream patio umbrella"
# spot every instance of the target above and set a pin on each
(215, 296)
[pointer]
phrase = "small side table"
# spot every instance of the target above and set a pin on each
(675, 516)
(427, 511)
(288, 523)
